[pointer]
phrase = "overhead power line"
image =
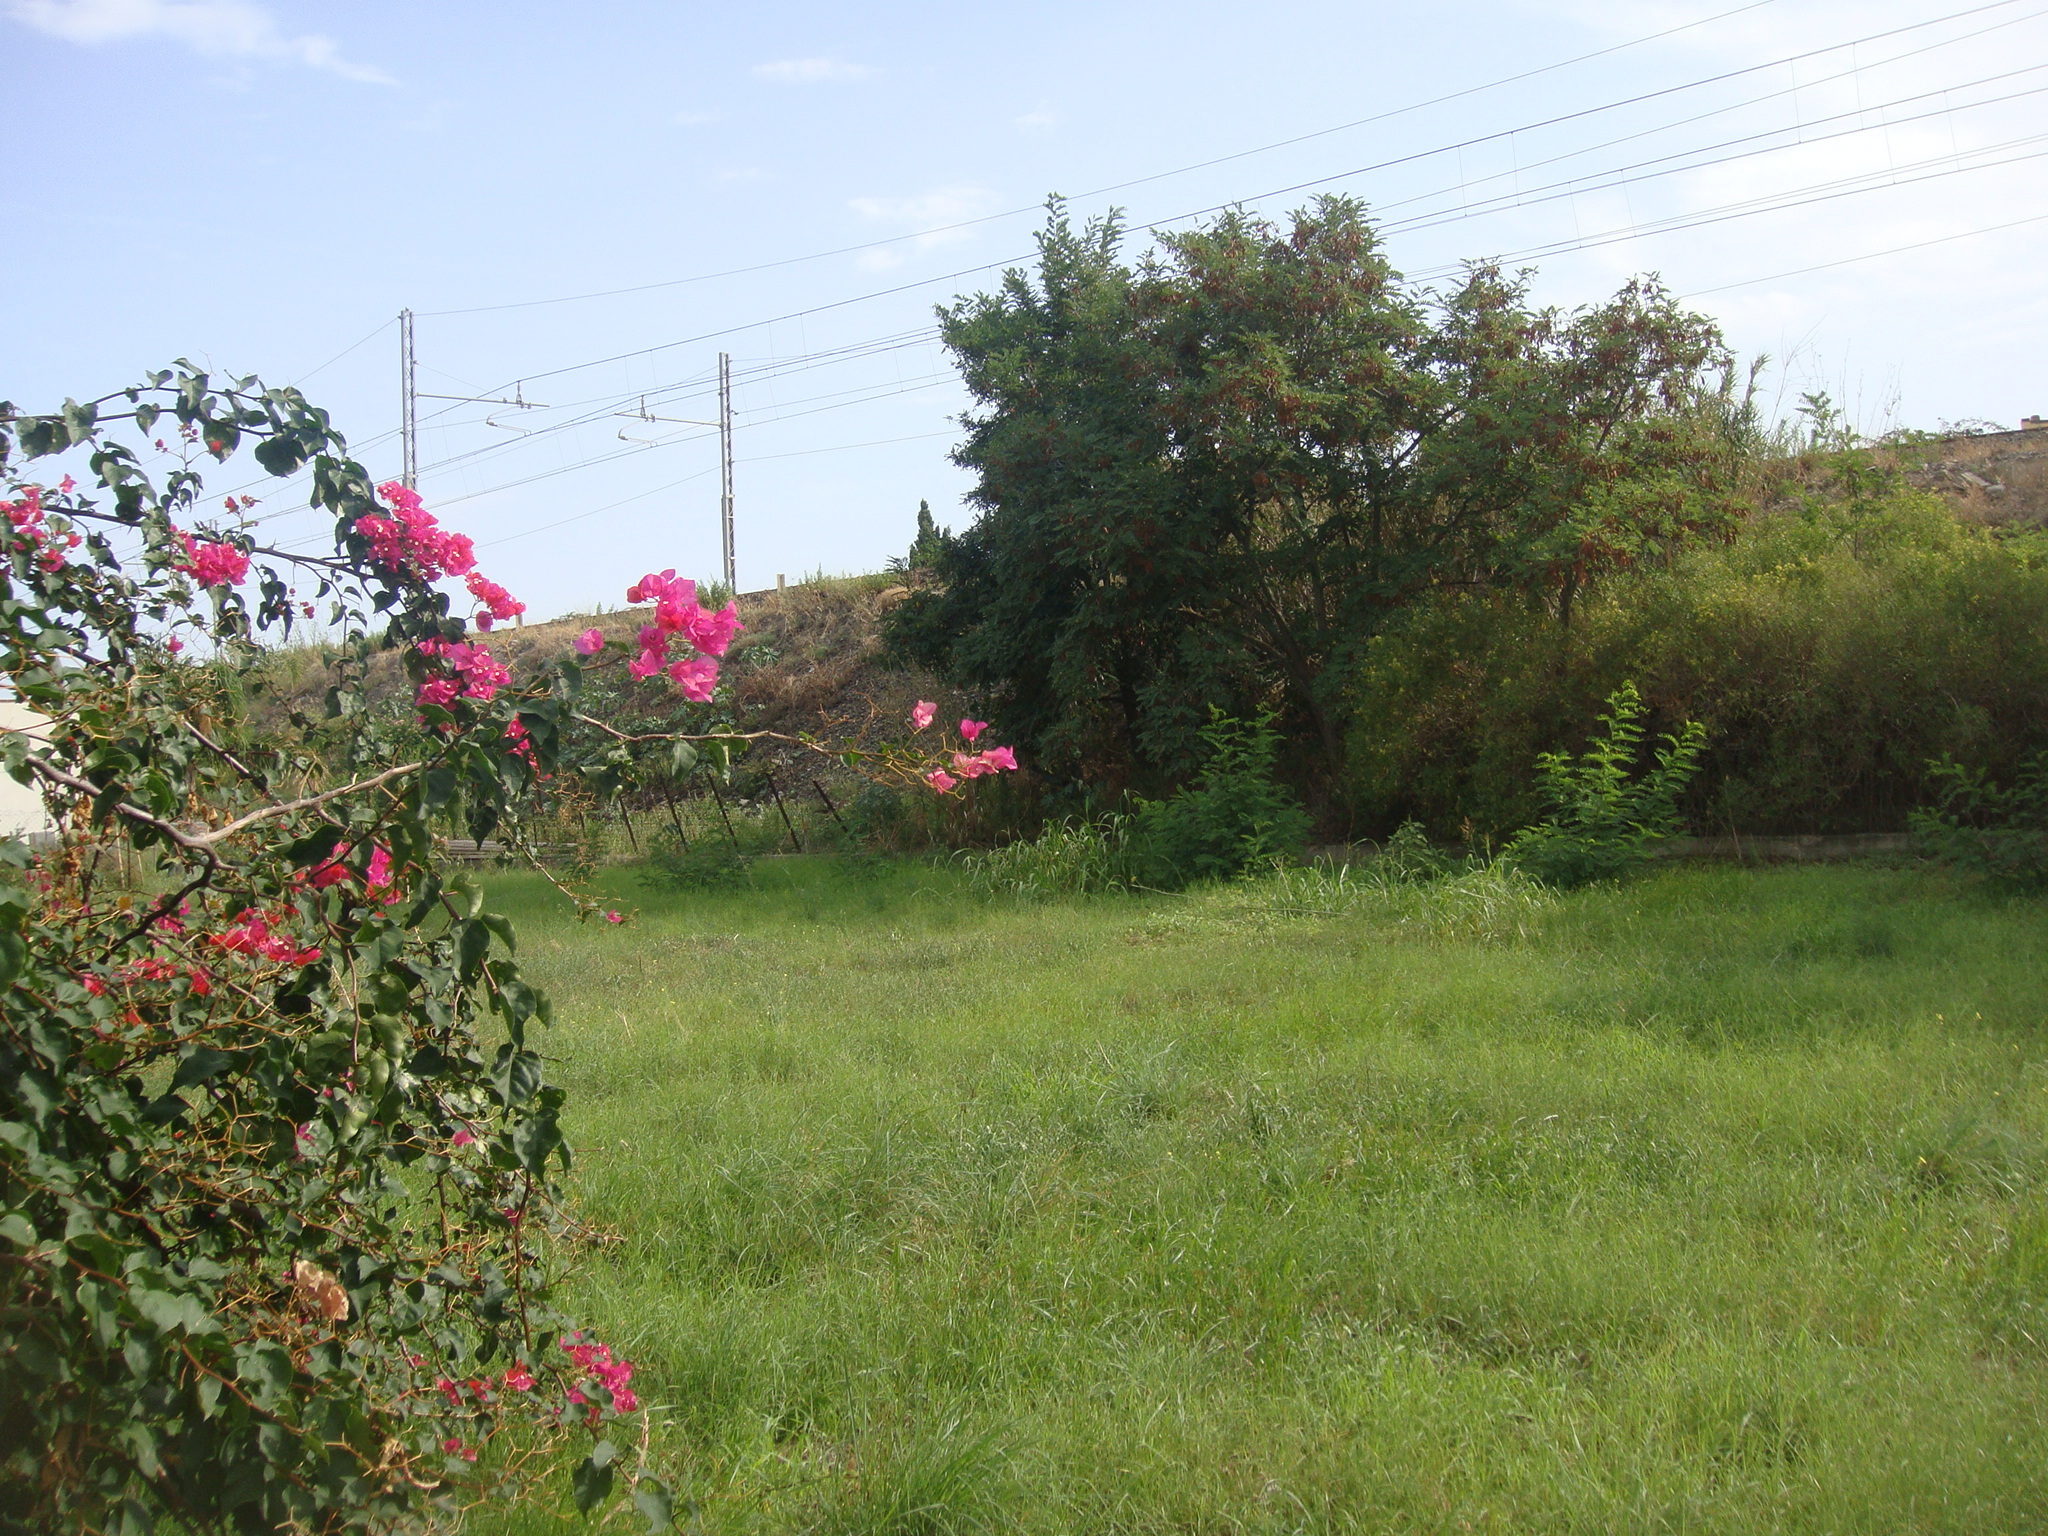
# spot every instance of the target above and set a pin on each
(1462, 144)
(1123, 186)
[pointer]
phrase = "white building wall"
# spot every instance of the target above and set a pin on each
(21, 808)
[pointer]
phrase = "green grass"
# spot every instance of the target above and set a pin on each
(1710, 1204)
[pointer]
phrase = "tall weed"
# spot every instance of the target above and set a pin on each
(1601, 821)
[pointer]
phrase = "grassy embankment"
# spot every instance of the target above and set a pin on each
(1709, 1204)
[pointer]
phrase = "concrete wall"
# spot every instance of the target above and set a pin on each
(21, 808)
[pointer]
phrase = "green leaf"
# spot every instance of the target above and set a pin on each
(266, 1370)
(501, 925)
(203, 1062)
(592, 1479)
(472, 943)
(281, 454)
(682, 758)
(656, 1503)
(516, 1075)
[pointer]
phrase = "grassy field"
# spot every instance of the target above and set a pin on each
(1709, 1204)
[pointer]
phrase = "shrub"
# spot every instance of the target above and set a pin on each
(1602, 822)
(278, 1213)
(2001, 833)
(1234, 816)
(1832, 654)
(705, 865)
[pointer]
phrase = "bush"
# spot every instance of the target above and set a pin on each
(1602, 823)
(1234, 816)
(1831, 653)
(708, 864)
(2001, 833)
(279, 1214)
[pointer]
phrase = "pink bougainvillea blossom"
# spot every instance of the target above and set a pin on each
(462, 1138)
(712, 633)
(696, 678)
(455, 1447)
(590, 642)
(498, 603)
(255, 935)
(518, 1379)
(213, 565)
(614, 917)
(522, 742)
(969, 729)
(175, 646)
(922, 714)
(940, 780)
(412, 541)
(614, 1374)
(657, 589)
(481, 673)
(676, 613)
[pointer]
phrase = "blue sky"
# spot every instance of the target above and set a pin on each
(262, 184)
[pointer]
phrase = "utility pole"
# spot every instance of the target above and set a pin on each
(408, 407)
(725, 468)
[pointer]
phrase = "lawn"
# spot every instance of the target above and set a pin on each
(1712, 1203)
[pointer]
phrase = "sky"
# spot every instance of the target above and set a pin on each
(584, 205)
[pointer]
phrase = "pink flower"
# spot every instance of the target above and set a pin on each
(333, 872)
(711, 633)
(696, 678)
(453, 1392)
(500, 603)
(590, 642)
(455, 1447)
(921, 715)
(613, 917)
(970, 765)
(666, 586)
(969, 729)
(379, 875)
(940, 780)
(462, 1137)
(411, 540)
(213, 565)
(255, 936)
(645, 665)
(175, 646)
(1000, 757)
(519, 1379)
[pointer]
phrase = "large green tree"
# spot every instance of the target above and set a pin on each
(1205, 478)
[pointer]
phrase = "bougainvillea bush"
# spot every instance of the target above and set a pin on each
(279, 1211)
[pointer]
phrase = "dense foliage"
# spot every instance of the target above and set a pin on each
(278, 1218)
(1838, 648)
(1206, 479)
(1996, 830)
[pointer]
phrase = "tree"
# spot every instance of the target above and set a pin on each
(1207, 479)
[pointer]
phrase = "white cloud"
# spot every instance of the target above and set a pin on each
(811, 71)
(239, 29)
(927, 220)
